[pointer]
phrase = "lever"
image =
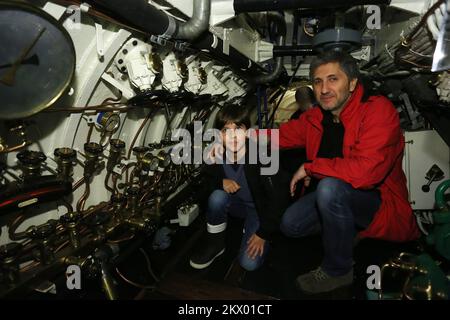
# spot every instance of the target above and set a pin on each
(434, 174)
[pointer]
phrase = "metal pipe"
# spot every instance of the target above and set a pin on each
(241, 6)
(440, 200)
(136, 13)
(297, 50)
(278, 19)
(154, 21)
(140, 14)
(199, 22)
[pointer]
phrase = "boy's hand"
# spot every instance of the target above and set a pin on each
(230, 186)
(255, 246)
(215, 154)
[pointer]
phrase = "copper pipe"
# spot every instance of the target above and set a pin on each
(89, 108)
(133, 172)
(65, 243)
(138, 133)
(421, 23)
(93, 12)
(30, 266)
(81, 110)
(67, 205)
(95, 208)
(15, 148)
(152, 188)
(15, 224)
(128, 167)
(135, 284)
(108, 175)
(82, 201)
(77, 184)
(112, 100)
(114, 179)
(121, 239)
(91, 128)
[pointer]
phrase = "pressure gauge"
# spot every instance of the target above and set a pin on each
(109, 121)
(37, 59)
(150, 162)
(164, 158)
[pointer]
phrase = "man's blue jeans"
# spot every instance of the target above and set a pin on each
(337, 209)
(220, 204)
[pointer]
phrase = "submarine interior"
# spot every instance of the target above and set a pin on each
(92, 93)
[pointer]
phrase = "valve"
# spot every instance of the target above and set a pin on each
(116, 150)
(44, 236)
(65, 158)
(9, 264)
(31, 162)
(133, 200)
(434, 174)
(71, 221)
(92, 151)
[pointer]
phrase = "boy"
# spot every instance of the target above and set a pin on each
(237, 188)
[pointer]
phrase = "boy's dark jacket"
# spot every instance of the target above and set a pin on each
(270, 193)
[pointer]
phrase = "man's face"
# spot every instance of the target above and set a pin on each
(332, 87)
(233, 136)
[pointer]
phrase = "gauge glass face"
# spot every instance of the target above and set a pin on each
(37, 60)
(165, 159)
(112, 123)
(154, 164)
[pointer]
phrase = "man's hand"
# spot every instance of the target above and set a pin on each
(230, 186)
(255, 246)
(299, 175)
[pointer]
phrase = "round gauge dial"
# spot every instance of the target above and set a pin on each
(151, 163)
(164, 158)
(110, 121)
(37, 60)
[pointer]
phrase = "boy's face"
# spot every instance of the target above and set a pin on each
(233, 137)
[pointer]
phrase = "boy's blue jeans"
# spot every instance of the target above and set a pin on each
(220, 205)
(337, 209)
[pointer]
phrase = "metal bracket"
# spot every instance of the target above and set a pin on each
(181, 45)
(226, 41)
(162, 41)
(100, 43)
(126, 92)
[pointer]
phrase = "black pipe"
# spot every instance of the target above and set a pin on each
(294, 39)
(299, 50)
(214, 46)
(272, 117)
(140, 14)
(241, 6)
(145, 17)
(280, 24)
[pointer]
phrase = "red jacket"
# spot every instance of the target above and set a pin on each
(373, 151)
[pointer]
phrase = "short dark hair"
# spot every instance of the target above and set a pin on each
(346, 62)
(305, 93)
(233, 113)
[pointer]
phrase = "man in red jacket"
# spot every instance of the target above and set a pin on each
(354, 146)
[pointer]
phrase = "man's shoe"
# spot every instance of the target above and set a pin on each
(208, 250)
(317, 281)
